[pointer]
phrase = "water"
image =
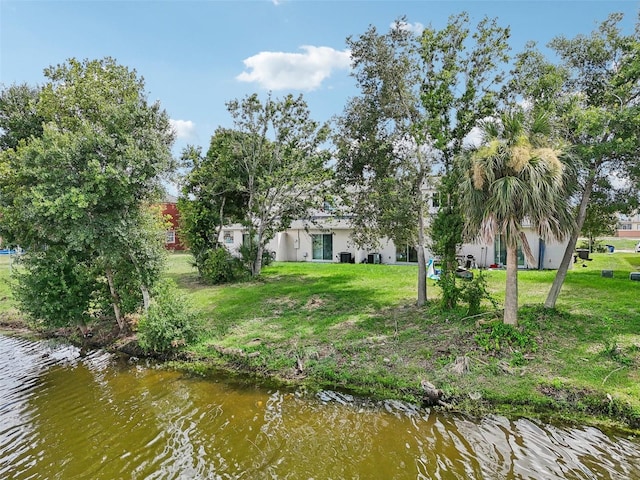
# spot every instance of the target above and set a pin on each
(64, 415)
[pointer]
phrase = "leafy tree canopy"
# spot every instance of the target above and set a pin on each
(270, 169)
(421, 95)
(84, 186)
(592, 91)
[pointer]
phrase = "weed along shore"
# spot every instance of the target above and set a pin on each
(356, 328)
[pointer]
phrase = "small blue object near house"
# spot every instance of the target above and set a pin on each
(611, 248)
(634, 276)
(432, 273)
(7, 251)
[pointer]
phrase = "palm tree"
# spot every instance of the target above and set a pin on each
(514, 177)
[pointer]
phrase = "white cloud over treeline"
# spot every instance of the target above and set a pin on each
(416, 28)
(183, 128)
(297, 71)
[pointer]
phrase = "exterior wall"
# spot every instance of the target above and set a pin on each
(170, 212)
(628, 226)
(295, 245)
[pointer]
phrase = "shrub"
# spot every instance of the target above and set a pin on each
(220, 266)
(55, 288)
(496, 336)
(170, 322)
(474, 292)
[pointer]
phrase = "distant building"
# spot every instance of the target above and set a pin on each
(628, 226)
(327, 238)
(171, 213)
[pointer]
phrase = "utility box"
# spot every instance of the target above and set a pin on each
(607, 273)
(374, 258)
(634, 276)
(345, 257)
(583, 253)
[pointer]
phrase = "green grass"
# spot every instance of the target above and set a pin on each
(7, 306)
(357, 327)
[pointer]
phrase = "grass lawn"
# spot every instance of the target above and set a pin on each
(356, 327)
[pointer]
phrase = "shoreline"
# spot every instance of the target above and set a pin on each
(564, 406)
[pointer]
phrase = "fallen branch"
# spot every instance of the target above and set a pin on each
(611, 373)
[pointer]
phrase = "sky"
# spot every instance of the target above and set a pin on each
(197, 55)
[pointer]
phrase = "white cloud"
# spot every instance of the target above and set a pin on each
(416, 28)
(183, 128)
(297, 71)
(474, 138)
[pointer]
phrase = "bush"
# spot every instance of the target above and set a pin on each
(249, 253)
(219, 266)
(170, 322)
(474, 292)
(55, 288)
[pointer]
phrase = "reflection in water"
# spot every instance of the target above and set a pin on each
(67, 416)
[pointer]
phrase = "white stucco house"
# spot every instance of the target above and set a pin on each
(327, 238)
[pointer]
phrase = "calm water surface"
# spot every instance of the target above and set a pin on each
(64, 415)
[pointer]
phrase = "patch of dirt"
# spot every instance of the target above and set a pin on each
(315, 301)
(564, 395)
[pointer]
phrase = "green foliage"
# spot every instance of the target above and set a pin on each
(220, 266)
(56, 287)
(595, 246)
(446, 235)
(249, 252)
(83, 186)
(279, 152)
(270, 169)
(170, 323)
(601, 218)
(474, 292)
(451, 291)
(521, 180)
(420, 97)
(19, 119)
(497, 336)
(591, 93)
(212, 193)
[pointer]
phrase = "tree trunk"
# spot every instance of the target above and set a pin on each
(257, 262)
(561, 274)
(511, 288)
(115, 298)
(422, 264)
(146, 297)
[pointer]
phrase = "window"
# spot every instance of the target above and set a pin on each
(171, 236)
(500, 252)
(227, 237)
(435, 200)
(327, 206)
(406, 253)
(625, 226)
(322, 247)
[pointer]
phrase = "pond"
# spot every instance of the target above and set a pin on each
(67, 414)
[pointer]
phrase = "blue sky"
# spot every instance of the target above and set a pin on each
(197, 55)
